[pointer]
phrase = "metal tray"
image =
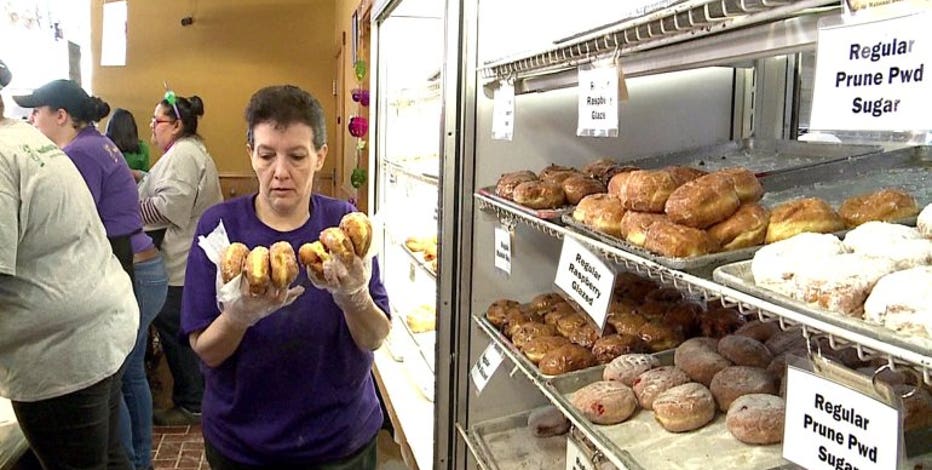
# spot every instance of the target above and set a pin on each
(738, 276)
(700, 265)
(507, 444)
(641, 443)
(763, 157)
(418, 259)
(546, 214)
(908, 168)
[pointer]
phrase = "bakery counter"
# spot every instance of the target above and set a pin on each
(12, 442)
(711, 291)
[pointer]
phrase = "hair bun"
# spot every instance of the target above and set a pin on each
(98, 109)
(197, 105)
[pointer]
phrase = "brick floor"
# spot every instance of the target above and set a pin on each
(178, 447)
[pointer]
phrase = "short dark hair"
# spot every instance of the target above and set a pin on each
(285, 105)
(121, 129)
(190, 109)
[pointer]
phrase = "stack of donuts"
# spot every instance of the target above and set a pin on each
(277, 267)
(557, 186)
(680, 212)
(644, 317)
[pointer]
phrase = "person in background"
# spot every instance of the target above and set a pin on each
(288, 382)
(67, 313)
(174, 195)
(122, 130)
(64, 112)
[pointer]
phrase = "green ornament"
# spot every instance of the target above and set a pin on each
(358, 178)
(361, 69)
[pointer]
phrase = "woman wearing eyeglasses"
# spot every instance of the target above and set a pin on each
(177, 190)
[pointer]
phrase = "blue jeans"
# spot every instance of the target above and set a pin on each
(136, 409)
(183, 362)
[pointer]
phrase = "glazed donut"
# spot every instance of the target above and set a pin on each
(747, 185)
(703, 202)
(699, 359)
(683, 316)
(539, 195)
(618, 184)
(607, 217)
(558, 311)
(660, 336)
(358, 228)
(552, 169)
(545, 301)
(606, 175)
(719, 322)
(756, 418)
(634, 225)
(802, 215)
(231, 261)
(513, 321)
(505, 187)
(924, 222)
(594, 169)
(684, 407)
(313, 256)
(648, 190)
(338, 244)
(256, 270)
(736, 381)
(607, 348)
(664, 294)
(588, 206)
(578, 186)
(886, 205)
(585, 336)
(498, 311)
(570, 323)
(530, 330)
(536, 348)
(283, 265)
(678, 241)
(566, 358)
(684, 174)
(746, 227)
(628, 323)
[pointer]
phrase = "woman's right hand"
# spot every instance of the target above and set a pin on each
(249, 308)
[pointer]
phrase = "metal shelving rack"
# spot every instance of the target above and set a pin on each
(710, 291)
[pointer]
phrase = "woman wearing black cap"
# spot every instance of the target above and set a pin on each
(65, 114)
(69, 317)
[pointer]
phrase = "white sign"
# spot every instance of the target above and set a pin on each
(598, 100)
(872, 76)
(830, 426)
(113, 34)
(483, 369)
(503, 111)
(575, 458)
(503, 249)
(586, 279)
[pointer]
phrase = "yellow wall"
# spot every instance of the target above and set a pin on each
(232, 49)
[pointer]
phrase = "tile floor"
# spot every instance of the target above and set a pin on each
(178, 447)
(183, 447)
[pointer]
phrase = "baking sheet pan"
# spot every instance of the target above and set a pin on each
(693, 264)
(507, 444)
(418, 258)
(763, 157)
(909, 169)
(738, 276)
(546, 214)
(642, 443)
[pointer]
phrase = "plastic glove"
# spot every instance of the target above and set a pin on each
(349, 283)
(247, 309)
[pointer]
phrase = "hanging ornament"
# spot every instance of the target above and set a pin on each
(360, 69)
(361, 144)
(361, 96)
(358, 178)
(358, 126)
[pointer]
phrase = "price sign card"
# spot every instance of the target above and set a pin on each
(586, 279)
(871, 76)
(598, 100)
(503, 111)
(503, 249)
(576, 459)
(483, 369)
(830, 426)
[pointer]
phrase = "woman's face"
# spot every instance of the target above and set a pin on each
(48, 121)
(285, 162)
(165, 127)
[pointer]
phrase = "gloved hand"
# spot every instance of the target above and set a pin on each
(348, 282)
(247, 309)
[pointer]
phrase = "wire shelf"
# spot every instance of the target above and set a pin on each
(867, 348)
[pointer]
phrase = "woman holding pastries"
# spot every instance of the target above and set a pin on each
(287, 370)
